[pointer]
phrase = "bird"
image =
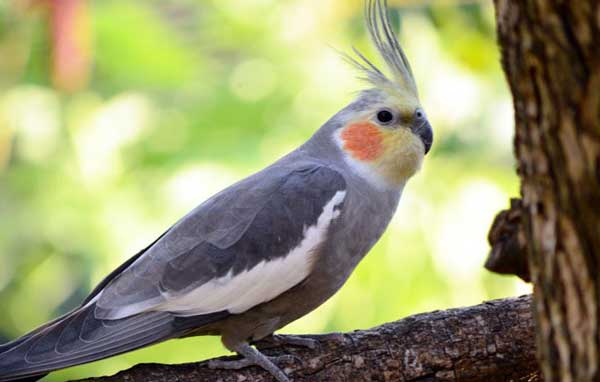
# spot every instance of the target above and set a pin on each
(265, 251)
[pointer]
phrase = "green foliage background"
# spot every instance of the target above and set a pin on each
(185, 97)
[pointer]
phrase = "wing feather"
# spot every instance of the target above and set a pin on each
(230, 251)
(80, 338)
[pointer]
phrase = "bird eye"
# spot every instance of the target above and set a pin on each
(385, 116)
(419, 114)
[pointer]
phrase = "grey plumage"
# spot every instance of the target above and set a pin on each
(259, 219)
(201, 247)
(232, 231)
(263, 252)
(81, 338)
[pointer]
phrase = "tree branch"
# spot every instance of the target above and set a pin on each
(491, 342)
(507, 239)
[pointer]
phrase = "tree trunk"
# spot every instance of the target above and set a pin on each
(491, 342)
(551, 55)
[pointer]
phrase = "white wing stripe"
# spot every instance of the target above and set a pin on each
(263, 282)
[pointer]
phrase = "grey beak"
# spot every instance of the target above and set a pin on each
(425, 132)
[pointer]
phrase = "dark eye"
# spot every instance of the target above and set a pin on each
(419, 114)
(385, 116)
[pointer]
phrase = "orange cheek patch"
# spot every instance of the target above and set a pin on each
(363, 140)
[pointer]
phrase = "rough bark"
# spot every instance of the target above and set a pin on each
(551, 55)
(509, 246)
(491, 342)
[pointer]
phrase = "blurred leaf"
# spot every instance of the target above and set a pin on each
(135, 47)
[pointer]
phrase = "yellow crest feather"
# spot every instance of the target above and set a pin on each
(380, 28)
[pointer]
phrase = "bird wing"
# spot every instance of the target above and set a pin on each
(244, 246)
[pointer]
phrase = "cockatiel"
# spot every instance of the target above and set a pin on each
(264, 251)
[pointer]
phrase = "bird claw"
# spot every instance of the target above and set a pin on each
(298, 341)
(276, 340)
(254, 357)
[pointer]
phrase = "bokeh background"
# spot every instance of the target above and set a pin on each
(119, 116)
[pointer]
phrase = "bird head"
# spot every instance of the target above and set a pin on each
(384, 134)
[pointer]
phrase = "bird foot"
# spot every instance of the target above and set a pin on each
(276, 340)
(253, 357)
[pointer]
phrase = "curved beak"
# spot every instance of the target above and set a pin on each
(425, 132)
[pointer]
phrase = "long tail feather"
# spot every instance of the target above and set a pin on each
(81, 338)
